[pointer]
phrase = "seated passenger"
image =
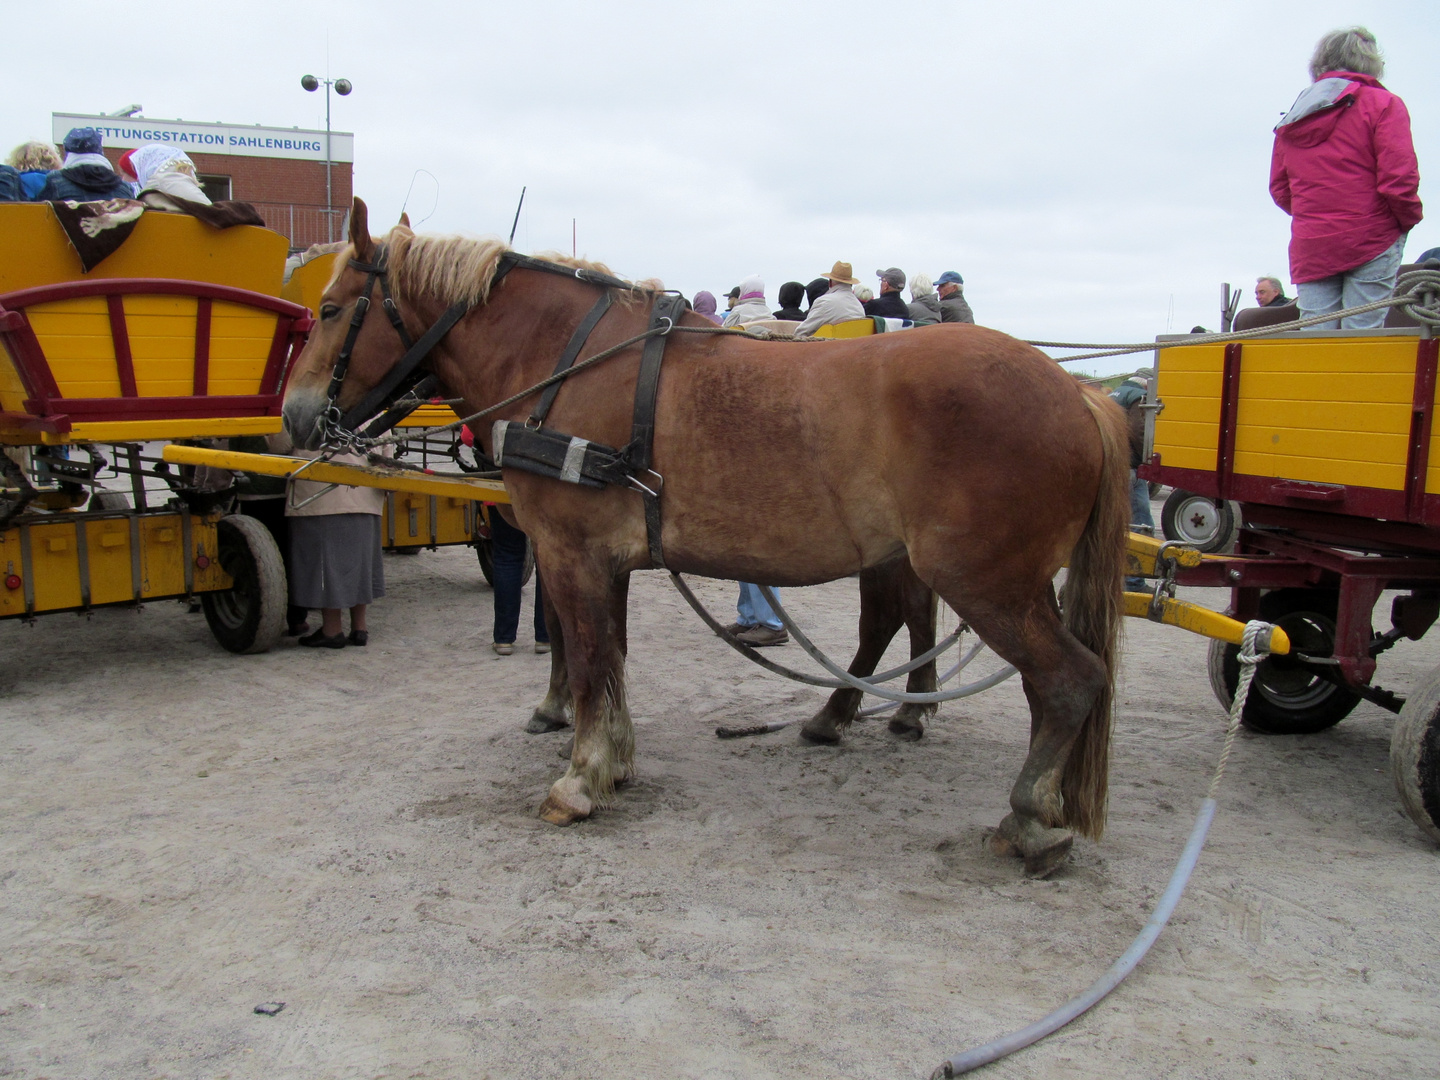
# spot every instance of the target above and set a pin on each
(791, 293)
(953, 308)
(837, 305)
(889, 304)
(1269, 292)
(164, 177)
(34, 161)
(751, 305)
(86, 175)
(815, 290)
(10, 189)
(705, 305)
(924, 306)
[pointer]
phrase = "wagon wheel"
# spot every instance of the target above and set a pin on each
(487, 563)
(1415, 755)
(1286, 697)
(249, 616)
(1201, 522)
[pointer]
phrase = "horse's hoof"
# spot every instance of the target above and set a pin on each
(905, 728)
(566, 807)
(540, 724)
(819, 734)
(1042, 849)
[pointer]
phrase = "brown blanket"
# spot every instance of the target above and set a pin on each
(96, 229)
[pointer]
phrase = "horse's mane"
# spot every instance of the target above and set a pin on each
(456, 269)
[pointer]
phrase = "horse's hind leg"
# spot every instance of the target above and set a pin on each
(882, 613)
(1062, 680)
(919, 605)
(604, 745)
(551, 713)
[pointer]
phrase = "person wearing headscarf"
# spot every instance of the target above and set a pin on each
(1343, 167)
(791, 293)
(924, 304)
(34, 161)
(163, 175)
(705, 305)
(86, 175)
(751, 306)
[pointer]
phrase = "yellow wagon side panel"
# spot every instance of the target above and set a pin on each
(162, 342)
(307, 284)
(53, 564)
(1187, 431)
(34, 251)
(75, 336)
(162, 566)
(1298, 417)
(12, 390)
(240, 339)
(111, 571)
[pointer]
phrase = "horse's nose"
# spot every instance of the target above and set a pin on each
(301, 418)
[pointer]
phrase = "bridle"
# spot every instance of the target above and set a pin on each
(402, 380)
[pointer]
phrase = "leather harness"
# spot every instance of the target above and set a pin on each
(529, 446)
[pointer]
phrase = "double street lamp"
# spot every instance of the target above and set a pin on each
(343, 88)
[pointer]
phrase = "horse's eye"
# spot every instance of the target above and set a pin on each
(329, 311)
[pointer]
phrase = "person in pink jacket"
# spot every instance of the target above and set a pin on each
(1344, 169)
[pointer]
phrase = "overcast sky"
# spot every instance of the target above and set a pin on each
(1094, 170)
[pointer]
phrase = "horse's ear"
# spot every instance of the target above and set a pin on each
(360, 230)
(404, 219)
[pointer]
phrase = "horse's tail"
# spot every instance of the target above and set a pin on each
(1094, 613)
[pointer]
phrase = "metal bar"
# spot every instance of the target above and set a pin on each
(202, 346)
(27, 570)
(136, 579)
(82, 555)
(1417, 456)
(137, 478)
(1229, 409)
(434, 520)
(187, 538)
(390, 516)
(120, 334)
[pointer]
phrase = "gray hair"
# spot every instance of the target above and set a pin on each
(921, 285)
(1354, 50)
(1274, 282)
(34, 155)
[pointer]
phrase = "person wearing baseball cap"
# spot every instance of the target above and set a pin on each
(889, 304)
(87, 175)
(837, 305)
(953, 307)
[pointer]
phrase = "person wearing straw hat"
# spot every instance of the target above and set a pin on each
(837, 305)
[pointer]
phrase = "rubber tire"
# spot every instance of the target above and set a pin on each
(487, 562)
(1217, 530)
(250, 616)
(108, 501)
(1277, 704)
(1415, 755)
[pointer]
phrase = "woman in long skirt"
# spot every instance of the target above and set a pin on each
(335, 556)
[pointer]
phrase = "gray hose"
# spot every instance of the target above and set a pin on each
(870, 688)
(1018, 1040)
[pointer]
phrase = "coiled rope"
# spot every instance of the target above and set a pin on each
(1252, 650)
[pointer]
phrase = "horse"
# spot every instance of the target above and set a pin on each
(789, 463)
(891, 596)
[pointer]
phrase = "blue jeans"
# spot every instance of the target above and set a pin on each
(507, 557)
(1368, 282)
(753, 610)
(1141, 520)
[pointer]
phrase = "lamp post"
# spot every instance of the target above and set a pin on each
(342, 87)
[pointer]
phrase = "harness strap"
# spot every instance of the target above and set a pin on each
(402, 371)
(572, 350)
(668, 307)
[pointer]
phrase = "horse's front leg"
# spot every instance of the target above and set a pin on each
(919, 605)
(551, 715)
(881, 615)
(604, 748)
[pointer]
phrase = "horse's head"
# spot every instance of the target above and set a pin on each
(348, 321)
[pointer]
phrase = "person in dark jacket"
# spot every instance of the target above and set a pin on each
(953, 308)
(87, 176)
(816, 289)
(10, 189)
(1270, 292)
(890, 304)
(791, 293)
(34, 161)
(1344, 169)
